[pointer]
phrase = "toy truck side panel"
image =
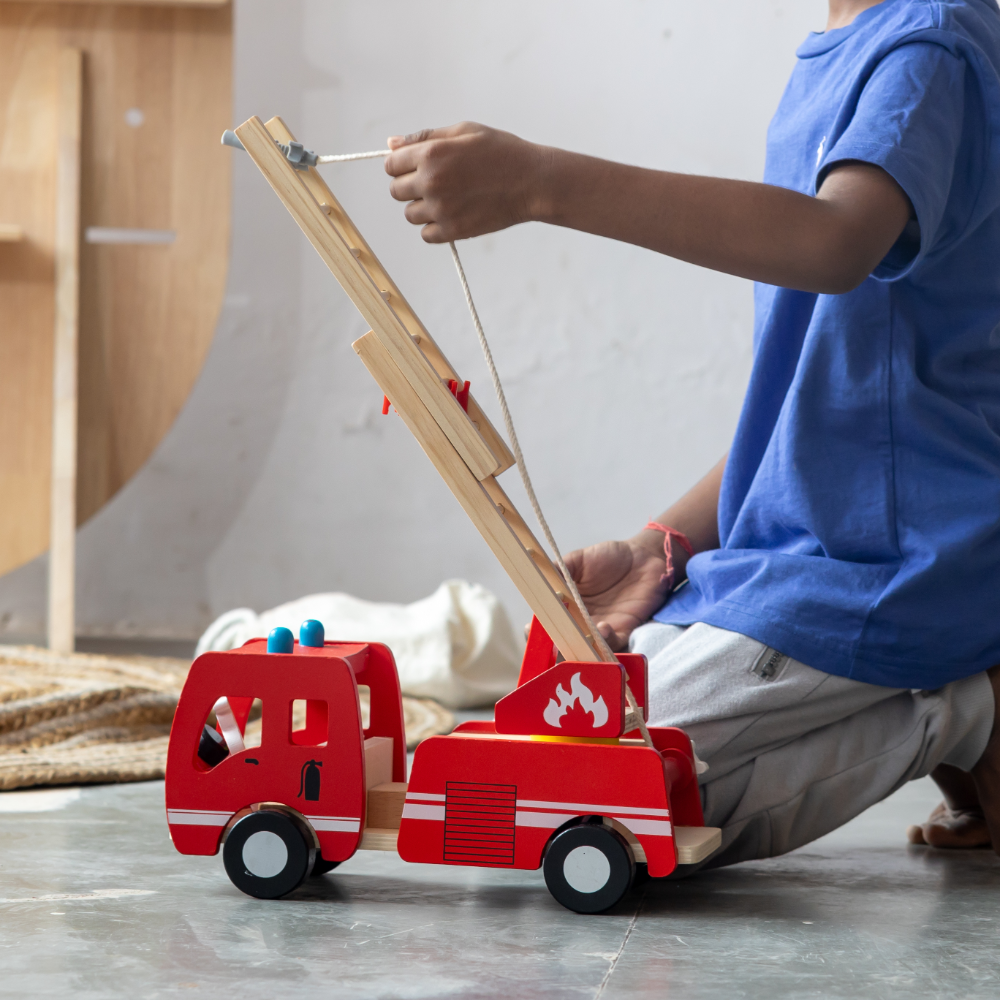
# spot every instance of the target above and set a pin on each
(496, 801)
(379, 672)
(324, 782)
(679, 762)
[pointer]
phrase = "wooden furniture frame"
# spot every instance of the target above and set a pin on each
(65, 366)
(413, 373)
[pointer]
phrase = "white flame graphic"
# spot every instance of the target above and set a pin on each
(578, 692)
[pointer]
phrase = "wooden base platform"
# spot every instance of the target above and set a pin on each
(695, 843)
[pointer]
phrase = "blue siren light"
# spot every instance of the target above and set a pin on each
(280, 640)
(311, 633)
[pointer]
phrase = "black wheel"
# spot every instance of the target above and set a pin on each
(321, 867)
(266, 855)
(588, 868)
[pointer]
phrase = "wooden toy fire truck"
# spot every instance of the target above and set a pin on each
(557, 781)
(554, 782)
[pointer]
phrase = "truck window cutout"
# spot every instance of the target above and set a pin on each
(233, 725)
(365, 697)
(254, 728)
(310, 722)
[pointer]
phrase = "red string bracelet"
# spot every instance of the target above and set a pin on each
(668, 533)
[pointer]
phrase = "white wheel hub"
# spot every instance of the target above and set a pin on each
(586, 869)
(265, 854)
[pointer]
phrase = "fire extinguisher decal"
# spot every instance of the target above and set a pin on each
(309, 780)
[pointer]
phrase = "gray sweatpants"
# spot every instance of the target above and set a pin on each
(793, 753)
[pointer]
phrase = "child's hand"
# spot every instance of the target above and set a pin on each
(621, 583)
(464, 180)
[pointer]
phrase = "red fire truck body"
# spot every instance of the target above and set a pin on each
(475, 797)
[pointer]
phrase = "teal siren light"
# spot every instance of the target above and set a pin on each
(280, 640)
(311, 633)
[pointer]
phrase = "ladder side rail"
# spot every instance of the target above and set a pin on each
(356, 281)
(526, 537)
(475, 498)
(316, 184)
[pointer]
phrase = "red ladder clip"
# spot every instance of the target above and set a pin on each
(462, 395)
(385, 405)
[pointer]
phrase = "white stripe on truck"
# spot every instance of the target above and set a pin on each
(208, 817)
(197, 817)
(415, 810)
(577, 807)
(335, 824)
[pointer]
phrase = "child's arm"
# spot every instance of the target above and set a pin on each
(621, 580)
(466, 180)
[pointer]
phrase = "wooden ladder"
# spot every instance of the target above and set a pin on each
(413, 373)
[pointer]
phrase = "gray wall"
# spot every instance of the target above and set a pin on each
(624, 370)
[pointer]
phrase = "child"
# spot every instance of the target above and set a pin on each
(840, 609)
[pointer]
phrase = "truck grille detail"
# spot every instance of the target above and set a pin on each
(479, 823)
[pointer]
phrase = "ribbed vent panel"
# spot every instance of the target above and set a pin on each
(479, 823)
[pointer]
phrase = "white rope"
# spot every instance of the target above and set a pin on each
(599, 641)
(346, 157)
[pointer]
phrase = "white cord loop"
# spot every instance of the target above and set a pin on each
(347, 157)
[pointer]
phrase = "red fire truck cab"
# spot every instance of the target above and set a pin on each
(270, 758)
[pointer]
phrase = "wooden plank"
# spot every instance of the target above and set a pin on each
(336, 254)
(62, 507)
(695, 843)
(373, 839)
(385, 805)
(477, 503)
(526, 537)
(363, 253)
(378, 761)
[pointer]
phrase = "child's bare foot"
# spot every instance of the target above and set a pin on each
(955, 828)
(986, 773)
(958, 822)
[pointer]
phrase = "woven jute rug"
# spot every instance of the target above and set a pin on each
(90, 719)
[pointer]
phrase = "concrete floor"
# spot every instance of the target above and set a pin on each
(94, 902)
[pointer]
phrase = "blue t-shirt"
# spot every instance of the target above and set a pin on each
(860, 509)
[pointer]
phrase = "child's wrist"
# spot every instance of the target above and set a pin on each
(649, 541)
(673, 546)
(542, 189)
